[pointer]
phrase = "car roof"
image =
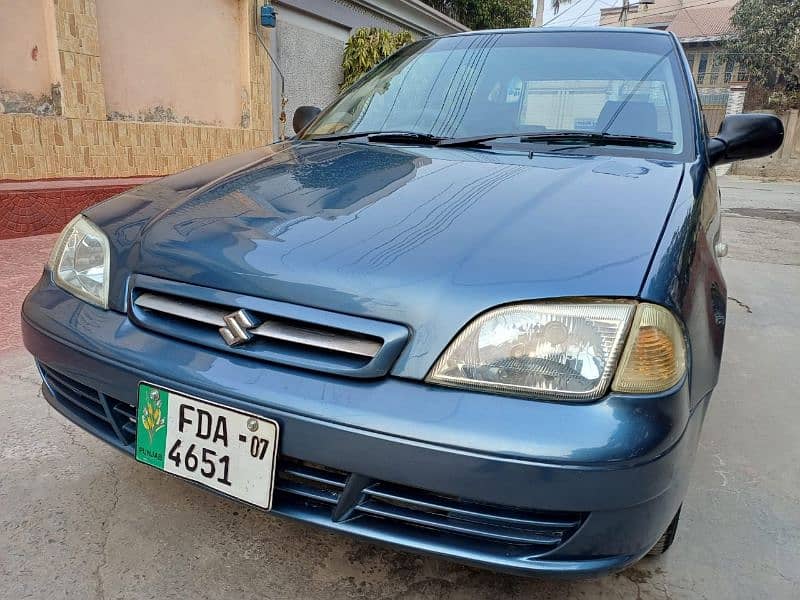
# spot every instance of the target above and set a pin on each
(550, 30)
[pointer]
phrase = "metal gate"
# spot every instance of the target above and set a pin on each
(715, 103)
(714, 116)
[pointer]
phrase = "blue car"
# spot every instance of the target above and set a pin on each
(474, 308)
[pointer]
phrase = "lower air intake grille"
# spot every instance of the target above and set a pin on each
(303, 488)
(499, 528)
(481, 521)
(108, 416)
(312, 482)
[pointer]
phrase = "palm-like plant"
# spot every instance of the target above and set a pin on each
(538, 21)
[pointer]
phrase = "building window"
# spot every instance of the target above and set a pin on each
(690, 59)
(729, 67)
(713, 74)
(702, 67)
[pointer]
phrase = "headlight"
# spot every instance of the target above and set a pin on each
(80, 261)
(565, 351)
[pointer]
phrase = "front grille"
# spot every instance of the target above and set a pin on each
(125, 416)
(107, 416)
(350, 497)
(265, 329)
(473, 519)
(270, 329)
(304, 489)
(312, 482)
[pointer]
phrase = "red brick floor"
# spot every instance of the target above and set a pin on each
(38, 207)
(21, 262)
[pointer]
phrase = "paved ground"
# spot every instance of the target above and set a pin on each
(21, 262)
(79, 520)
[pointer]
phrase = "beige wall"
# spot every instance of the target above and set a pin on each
(22, 29)
(183, 56)
(48, 147)
(78, 140)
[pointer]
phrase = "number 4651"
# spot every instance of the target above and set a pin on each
(207, 461)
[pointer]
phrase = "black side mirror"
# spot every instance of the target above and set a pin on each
(745, 136)
(303, 116)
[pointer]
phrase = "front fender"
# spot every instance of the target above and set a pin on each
(685, 275)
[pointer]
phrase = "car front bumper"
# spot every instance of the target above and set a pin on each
(616, 469)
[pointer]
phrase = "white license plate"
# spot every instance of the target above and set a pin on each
(230, 451)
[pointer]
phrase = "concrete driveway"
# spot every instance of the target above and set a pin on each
(80, 520)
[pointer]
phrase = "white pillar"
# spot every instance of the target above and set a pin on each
(735, 106)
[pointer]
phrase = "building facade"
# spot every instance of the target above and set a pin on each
(310, 37)
(100, 95)
(701, 28)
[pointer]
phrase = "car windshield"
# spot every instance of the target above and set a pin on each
(522, 83)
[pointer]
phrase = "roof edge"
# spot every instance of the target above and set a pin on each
(556, 29)
(415, 15)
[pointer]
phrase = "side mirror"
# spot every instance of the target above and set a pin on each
(745, 136)
(303, 116)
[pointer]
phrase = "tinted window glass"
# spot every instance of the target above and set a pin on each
(627, 84)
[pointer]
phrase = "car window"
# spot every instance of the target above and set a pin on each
(521, 83)
(579, 104)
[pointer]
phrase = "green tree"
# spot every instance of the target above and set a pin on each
(486, 14)
(495, 14)
(767, 42)
(368, 46)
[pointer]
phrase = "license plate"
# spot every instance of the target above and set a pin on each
(228, 450)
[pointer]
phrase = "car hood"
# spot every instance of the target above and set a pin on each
(427, 237)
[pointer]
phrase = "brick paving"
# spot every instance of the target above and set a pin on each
(30, 208)
(21, 262)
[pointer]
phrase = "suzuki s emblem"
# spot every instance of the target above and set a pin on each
(237, 326)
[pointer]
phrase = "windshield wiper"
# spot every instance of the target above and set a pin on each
(594, 138)
(396, 137)
(584, 137)
(476, 140)
(599, 139)
(340, 136)
(404, 137)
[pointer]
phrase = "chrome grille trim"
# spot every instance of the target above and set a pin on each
(185, 309)
(305, 334)
(263, 329)
(318, 339)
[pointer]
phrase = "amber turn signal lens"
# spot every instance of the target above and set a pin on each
(654, 358)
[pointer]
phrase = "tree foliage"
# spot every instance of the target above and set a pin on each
(486, 14)
(368, 46)
(767, 42)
